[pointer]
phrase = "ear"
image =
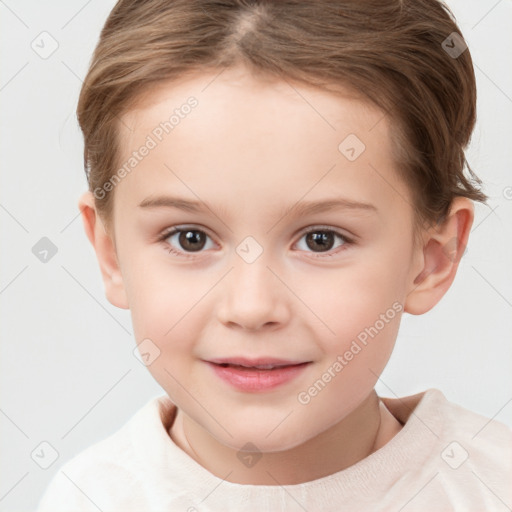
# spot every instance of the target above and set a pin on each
(442, 249)
(104, 247)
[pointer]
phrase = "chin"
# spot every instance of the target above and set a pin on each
(258, 439)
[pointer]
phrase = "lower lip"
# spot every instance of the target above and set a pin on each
(253, 380)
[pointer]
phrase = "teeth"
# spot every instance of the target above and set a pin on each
(257, 367)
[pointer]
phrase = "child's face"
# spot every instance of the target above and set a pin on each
(252, 152)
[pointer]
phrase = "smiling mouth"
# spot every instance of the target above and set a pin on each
(262, 367)
(251, 377)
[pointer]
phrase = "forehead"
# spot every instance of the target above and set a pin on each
(262, 100)
(262, 135)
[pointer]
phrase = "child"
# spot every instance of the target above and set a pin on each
(314, 152)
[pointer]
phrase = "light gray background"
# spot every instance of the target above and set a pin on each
(68, 373)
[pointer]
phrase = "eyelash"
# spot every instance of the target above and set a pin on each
(171, 231)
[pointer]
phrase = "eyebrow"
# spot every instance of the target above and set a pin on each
(299, 209)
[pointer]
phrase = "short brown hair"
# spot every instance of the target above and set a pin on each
(393, 52)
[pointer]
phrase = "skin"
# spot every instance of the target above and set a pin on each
(251, 150)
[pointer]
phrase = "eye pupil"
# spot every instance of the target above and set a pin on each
(192, 240)
(325, 240)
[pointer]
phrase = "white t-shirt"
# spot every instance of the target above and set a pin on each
(445, 458)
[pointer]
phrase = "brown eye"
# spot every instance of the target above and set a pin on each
(320, 241)
(192, 240)
(186, 240)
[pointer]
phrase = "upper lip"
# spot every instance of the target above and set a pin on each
(260, 361)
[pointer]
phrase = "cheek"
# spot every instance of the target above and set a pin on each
(166, 318)
(162, 296)
(171, 312)
(351, 299)
(364, 344)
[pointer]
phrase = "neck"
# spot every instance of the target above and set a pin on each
(362, 432)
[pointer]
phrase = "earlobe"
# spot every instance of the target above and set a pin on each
(105, 251)
(442, 251)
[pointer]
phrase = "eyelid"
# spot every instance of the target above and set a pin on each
(316, 227)
(181, 227)
(339, 231)
(349, 240)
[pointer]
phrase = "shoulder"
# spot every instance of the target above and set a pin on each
(485, 443)
(486, 438)
(107, 472)
(470, 462)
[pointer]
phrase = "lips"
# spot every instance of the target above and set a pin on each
(257, 375)
(262, 363)
(242, 367)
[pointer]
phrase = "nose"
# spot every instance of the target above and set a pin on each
(252, 297)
